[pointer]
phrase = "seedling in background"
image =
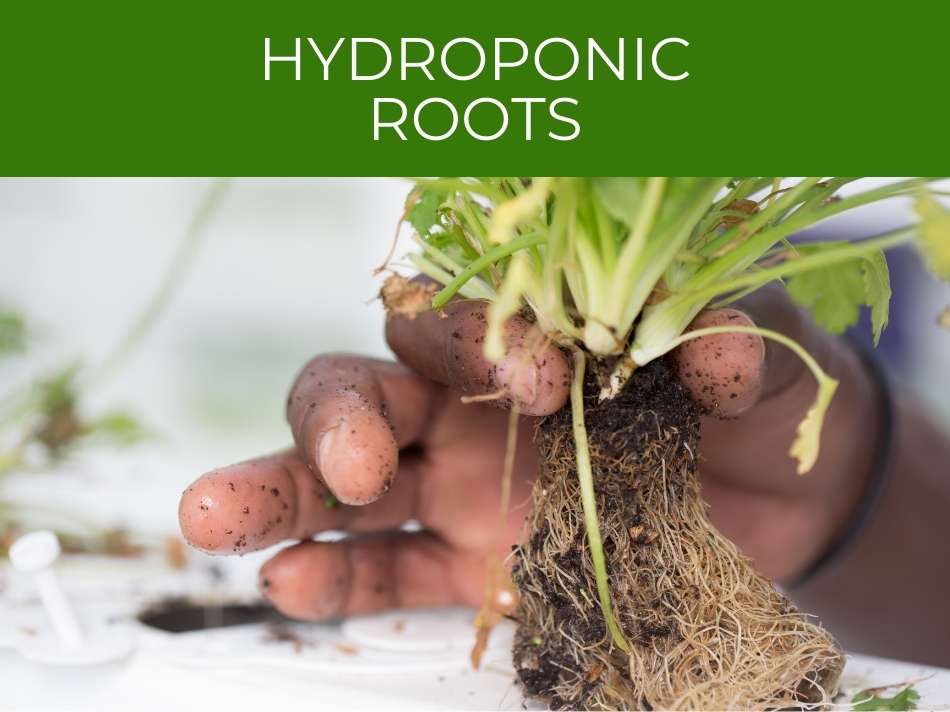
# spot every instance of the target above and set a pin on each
(47, 415)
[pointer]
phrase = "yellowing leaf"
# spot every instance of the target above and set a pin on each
(506, 304)
(934, 235)
(877, 291)
(513, 212)
(808, 437)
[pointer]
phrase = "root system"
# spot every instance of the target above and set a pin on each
(706, 631)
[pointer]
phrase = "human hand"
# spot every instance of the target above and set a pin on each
(381, 443)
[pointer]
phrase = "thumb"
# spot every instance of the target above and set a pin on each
(447, 347)
(729, 373)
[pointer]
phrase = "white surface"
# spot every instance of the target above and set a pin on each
(445, 632)
(394, 661)
(99, 646)
(239, 669)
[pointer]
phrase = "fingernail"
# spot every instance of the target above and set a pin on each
(325, 453)
(520, 376)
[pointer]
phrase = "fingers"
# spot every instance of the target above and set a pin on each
(722, 372)
(349, 417)
(256, 504)
(447, 347)
(753, 457)
(771, 308)
(315, 580)
(730, 373)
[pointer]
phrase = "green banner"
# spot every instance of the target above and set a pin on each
(476, 88)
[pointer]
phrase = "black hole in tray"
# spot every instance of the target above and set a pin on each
(182, 615)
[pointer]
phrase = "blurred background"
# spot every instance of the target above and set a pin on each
(252, 278)
(280, 270)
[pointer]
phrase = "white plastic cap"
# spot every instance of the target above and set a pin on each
(65, 642)
(35, 551)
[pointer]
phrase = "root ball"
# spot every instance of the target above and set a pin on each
(706, 630)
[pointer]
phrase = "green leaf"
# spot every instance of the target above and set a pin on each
(834, 295)
(682, 195)
(906, 699)
(60, 424)
(934, 237)
(621, 197)
(453, 242)
(59, 391)
(877, 291)
(12, 332)
(423, 214)
(118, 428)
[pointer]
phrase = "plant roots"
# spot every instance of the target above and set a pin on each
(706, 630)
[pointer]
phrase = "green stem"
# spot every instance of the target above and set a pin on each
(488, 258)
(806, 446)
(826, 258)
(438, 256)
(757, 244)
(799, 351)
(585, 475)
(663, 322)
(623, 279)
(184, 256)
(475, 223)
(746, 236)
(473, 289)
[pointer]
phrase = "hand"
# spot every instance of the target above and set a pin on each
(381, 443)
